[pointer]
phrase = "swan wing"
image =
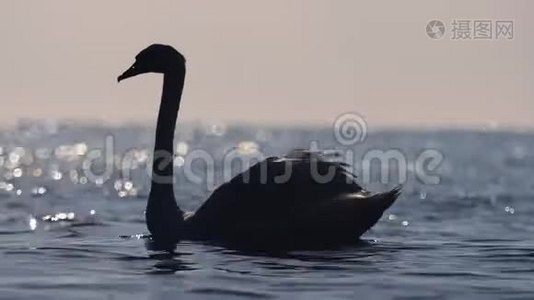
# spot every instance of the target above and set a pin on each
(283, 182)
(274, 191)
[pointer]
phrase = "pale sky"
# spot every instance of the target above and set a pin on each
(274, 62)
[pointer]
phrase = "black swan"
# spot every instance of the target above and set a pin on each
(256, 208)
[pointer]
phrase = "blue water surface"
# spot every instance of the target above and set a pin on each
(70, 226)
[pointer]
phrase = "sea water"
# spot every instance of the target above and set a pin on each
(72, 199)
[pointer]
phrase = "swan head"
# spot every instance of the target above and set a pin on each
(156, 58)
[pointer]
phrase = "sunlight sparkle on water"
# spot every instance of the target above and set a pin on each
(217, 130)
(179, 161)
(8, 187)
(17, 173)
(39, 191)
(247, 148)
(61, 216)
(128, 185)
(56, 175)
(182, 148)
(37, 172)
(32, 223)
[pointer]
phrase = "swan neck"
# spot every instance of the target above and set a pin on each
(164, 217)
(162, 167)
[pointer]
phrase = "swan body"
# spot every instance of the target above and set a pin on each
(298, 201)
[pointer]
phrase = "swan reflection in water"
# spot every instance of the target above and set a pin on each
(362, 254)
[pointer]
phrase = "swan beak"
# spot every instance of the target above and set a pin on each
(131, 72)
